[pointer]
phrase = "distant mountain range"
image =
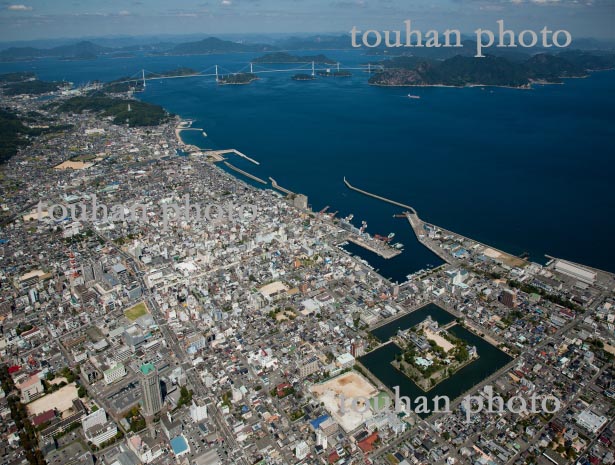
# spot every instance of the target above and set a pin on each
(283, 57)
(89, 50)
(77, 50)
(403, 66)
(214, 45)
(85, 50)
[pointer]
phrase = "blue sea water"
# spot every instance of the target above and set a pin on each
(522, 170)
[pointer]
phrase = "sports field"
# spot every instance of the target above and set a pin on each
(135, 312)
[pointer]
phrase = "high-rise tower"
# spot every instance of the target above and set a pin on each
(150, 389)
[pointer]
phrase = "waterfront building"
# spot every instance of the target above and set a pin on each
(301, 201)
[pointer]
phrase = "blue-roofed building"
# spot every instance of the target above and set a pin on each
(318, 421)
(460, 253)
(180, 446)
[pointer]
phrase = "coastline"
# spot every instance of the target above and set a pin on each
(185, 125)
(238, 177)
(524, 87)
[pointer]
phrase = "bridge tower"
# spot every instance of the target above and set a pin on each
(313, 71)
(251, 69)
(216, 73)
(338, 66)
(143, 75)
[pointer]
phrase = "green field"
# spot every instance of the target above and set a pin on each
(135, 312)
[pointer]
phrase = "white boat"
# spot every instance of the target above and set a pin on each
(414, 96)
(399, 245)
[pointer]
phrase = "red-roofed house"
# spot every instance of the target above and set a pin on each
(367, 445)
(14, 369)
(283, 389)
(31, 333)
(43, 417)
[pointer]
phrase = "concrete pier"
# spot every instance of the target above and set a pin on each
(499, 255)
(248, 175)
(218, 154)
(384, 199)
(417, 226)
(383, 250)
(237, 152)
(275, 185)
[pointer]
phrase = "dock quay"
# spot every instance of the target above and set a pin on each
(384, 199)
(499, 255)
(218, 155)
(186, 126)
(275, 185)
(237, 152)
(191, 149)
(246, 174)
(383, 250)
(417, 226)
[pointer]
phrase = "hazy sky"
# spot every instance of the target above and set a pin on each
(36, 19)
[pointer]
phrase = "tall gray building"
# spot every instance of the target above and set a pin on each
(97, 268)
(88, 273)
(150, 389)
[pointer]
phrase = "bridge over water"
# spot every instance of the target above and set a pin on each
(312, 68)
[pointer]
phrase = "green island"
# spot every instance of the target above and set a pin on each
(328, 73)
(431, 354)
(237, 79)
(283, 57)
(460, 71)
(124, 111)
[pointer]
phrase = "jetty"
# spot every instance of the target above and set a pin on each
(186, 126)
(380, 249)
(379, 197)
(238, 153)
(246, 174)
(218, 155)
(275, 185)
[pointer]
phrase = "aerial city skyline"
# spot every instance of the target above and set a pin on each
(250, 232)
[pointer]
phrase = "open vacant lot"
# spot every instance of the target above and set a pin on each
(350, 385)
(135, 312)
(61, 400)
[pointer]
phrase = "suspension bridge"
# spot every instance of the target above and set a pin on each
(218, 72)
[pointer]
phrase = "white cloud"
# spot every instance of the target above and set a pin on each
(124, 13)
(19, 8)
(226, 2)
